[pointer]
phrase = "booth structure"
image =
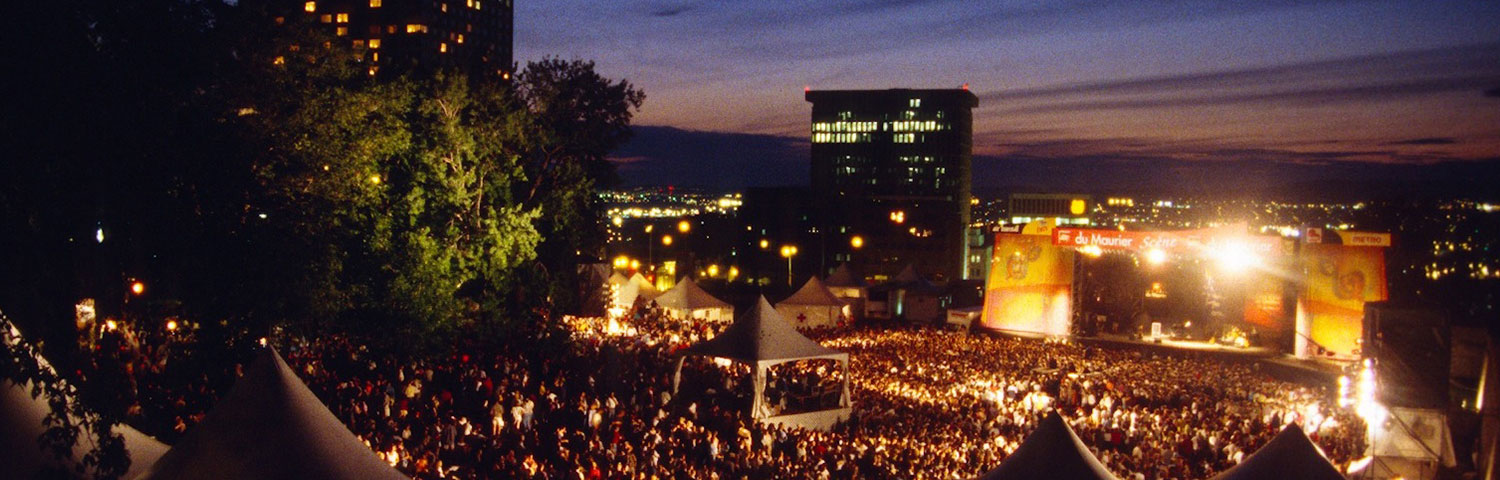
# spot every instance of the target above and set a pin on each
(760, 338)
(626, 292)
(813, 306)
(270, 426)
(22, 418)
(688, 301)
(907, 296)
(849, 287)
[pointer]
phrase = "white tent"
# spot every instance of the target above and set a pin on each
(21, 418)
(849, 287)
(761, 338)
(1051, 452)
(270, 426)
(813, 306)
(638, 289)
(1288, 456)
(618, 285)
(21, 424)
(688, 300)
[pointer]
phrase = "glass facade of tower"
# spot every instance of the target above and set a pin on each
(892, 167)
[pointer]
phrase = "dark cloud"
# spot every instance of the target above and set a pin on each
(658, 155)
(671, 10)
(1426, 141)
(1348, 80)
(1241, 178)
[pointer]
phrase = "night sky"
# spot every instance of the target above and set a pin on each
(1081, 95)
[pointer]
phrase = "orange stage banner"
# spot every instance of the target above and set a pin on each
(1338, 280)
(1030, 286)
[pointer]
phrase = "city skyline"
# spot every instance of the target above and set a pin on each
(1195, 91)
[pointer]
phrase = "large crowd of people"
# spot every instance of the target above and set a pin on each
(926, 404)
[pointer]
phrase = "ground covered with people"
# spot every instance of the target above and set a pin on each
(926, 404)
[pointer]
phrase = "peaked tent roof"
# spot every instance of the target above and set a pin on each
(1051, 452)
(617, 279)
(844, 277)
(687, 295)
(909, 280)
(813, 293)
(1288, 456)
(270, 426)
(907, 275)
(21, 421)
(21, 424)
(643, 287)
(761, 334)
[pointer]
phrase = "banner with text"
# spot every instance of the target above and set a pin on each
(1030, 286)
(1173, 241)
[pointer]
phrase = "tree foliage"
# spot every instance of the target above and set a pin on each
(251, 167)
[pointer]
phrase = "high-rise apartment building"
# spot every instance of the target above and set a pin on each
(402, 35)
(891, 171)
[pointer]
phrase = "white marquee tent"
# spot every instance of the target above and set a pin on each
(1288, 456)
(761, 338)
(1051, 452)
(21, 424)
(812, 306)
(688, 300)
(270, 426)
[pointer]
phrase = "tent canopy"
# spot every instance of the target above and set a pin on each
(1288, 456)
(617, 279)
(270, 426)
(643, 287)
(761, 335)
(844, 277)
(22, 418)
(1051, 452)
(813, 293)
(687, 295)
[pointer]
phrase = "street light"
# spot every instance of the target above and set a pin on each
(857, 242)
(683, 226)
(666, 240)
(789, 251)
(650, 247)
(137, 287)
(1235, 256)
(1156, 256)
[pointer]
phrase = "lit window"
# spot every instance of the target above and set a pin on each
(415, 28)
(477, 5)
(469, 4)
(443, 47)
(375, 57)
(460, 39)
(341, 31)
(443, 7)
(280, 20)
(310, 6)
(326, 18)
(390, 29)
(374, 3)
(342, 18)
(359, 44)
(915, 103)
(374, 43)
(279, 60)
